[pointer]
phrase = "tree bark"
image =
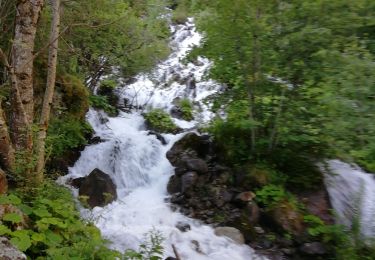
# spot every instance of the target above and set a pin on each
(50, 87)
(28, 12)
(7, 157)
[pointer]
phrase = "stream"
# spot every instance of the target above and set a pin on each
(138, 166)
(137, 163)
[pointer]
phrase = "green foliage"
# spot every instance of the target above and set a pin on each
(55, 230)
(75, 95)
(66, 134)
(180, 14)
(270, 195)
(160, 121)
(187, 109)
(101, 102)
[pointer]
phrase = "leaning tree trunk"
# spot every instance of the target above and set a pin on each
(50, 87)
(28, 12)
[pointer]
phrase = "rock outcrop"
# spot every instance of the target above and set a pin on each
(97, 189)
(10, 252)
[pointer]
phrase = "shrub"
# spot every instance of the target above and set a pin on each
(66, 134)
(160, 121)
(101, 102)
(187, 109)
(270, 195)
(55, 230)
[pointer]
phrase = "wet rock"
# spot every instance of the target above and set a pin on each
(158, 136)
(98, 188)
(176, 112)
(188, 180)
(196, 246)
(174, 184)
(231, 233)
(183, 227)
(77, 182)
(3, 182)
(10, 252)
(95, 140)
(197, 165)
(314, 248)
(192, 144)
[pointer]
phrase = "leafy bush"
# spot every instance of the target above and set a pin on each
(66, 134)
(160, 121)
(270, 195)
(187, 109)
(55, 230)
(101, 102)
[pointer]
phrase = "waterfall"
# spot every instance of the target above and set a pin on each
(137, 163)
(352, 195)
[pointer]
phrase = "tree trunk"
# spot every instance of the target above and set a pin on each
(7, 158)
(28, 12)
(50, 87)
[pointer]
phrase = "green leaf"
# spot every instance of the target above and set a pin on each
(21, 239)
(25, 209)
(12, 217)
(4, 230)
(42, 212)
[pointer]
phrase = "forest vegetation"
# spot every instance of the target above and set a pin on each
(299, 88)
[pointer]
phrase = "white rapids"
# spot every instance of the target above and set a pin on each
(352, 195)
(137, 163)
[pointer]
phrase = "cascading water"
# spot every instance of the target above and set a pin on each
(137, 163)
(352, 195)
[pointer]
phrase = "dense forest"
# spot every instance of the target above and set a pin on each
(298, 88)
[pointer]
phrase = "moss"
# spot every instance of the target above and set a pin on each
(75, 95)
(160, 121)
(187, 109)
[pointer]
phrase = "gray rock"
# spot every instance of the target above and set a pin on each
(197, 165)
(314, 248)
(188, 180)
(174, 184)
(231, 233)
(8, 251)
(183, 227)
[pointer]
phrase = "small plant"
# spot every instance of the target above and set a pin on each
(101, 102)
(55, 230)
(187, 109)
(160, 121)
(270, 195)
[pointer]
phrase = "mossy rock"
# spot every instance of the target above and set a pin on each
(160, 121)
(75, 95)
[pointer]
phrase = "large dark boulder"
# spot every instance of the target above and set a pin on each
(97, 189)
(192, 144)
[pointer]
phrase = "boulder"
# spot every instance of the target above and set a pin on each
(231, 233)
(197, 165)
(98, 188)
(174, 184)
(8, 251)
(158, 136)
(188, 180)
(176, 112)
(191, 143)
(287, 218)
(3, 182)
(314, 248)
(183, 227)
